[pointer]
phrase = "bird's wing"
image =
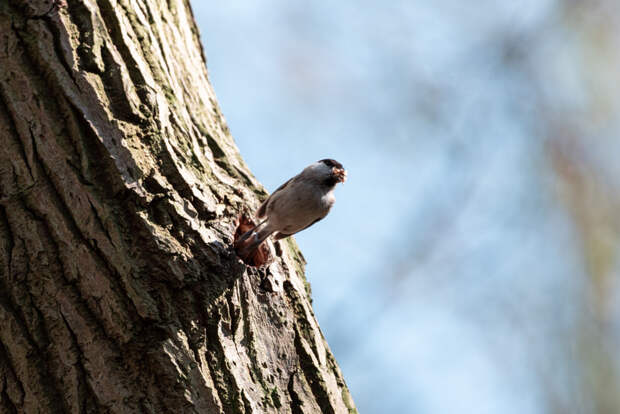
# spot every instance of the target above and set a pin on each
(260, 213)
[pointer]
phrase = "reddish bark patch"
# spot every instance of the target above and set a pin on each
(258, 257)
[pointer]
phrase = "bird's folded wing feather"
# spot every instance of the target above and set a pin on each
(263, 207)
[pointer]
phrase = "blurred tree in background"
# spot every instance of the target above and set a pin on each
(584, 150)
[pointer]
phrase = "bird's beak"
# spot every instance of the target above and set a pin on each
(340, 174)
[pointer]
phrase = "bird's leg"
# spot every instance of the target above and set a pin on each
(248, 233)
(258, 237)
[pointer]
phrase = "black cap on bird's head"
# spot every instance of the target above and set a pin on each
(331, 163)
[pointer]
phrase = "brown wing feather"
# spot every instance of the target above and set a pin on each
(263, 207)
(260, 213)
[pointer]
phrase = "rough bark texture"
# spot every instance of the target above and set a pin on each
(119, 189)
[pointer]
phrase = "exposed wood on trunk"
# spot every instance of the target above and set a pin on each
(119, 189)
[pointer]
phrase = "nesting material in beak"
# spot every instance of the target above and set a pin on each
(340, 174)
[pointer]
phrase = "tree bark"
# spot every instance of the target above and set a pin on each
(120, 186)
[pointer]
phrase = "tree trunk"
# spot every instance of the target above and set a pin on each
(120, 186)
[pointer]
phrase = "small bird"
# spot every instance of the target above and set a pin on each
(295, 205)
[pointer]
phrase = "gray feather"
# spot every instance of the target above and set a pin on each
(263, 207)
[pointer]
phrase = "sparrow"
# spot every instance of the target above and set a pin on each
(295, 205)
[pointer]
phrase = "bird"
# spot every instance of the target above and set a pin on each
(296, 205)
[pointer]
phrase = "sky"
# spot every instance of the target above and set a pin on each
(446, 277)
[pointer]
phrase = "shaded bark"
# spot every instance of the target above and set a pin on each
(119, 189)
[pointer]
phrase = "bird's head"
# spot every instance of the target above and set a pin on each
(329, 171)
